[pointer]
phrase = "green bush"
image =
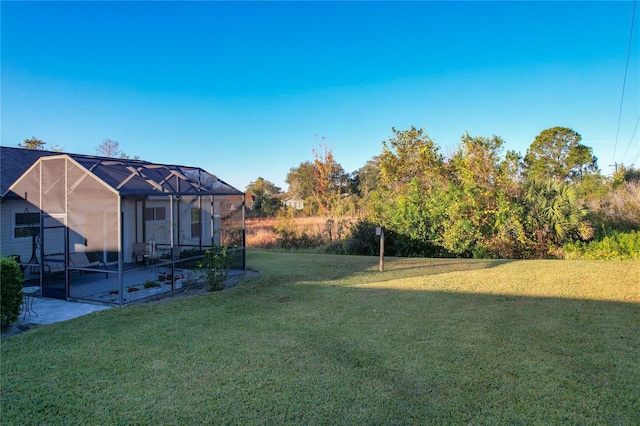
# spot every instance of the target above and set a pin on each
(363, 239)
(216, 265)
(617, 246)
(335, 247)
(11, 292)
(295, 241)
(151, 284)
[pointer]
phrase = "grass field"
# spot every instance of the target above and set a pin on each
(260, 232)
(320, 339)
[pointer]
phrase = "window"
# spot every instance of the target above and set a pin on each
(154, 213)
(196, 228)
(25, 224)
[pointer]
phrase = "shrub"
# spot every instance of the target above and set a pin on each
(11, 291)
(335, 247)
(150, 284)
(215, 266)
(299, 241)
(617, 246)
(290, 237)
(363, 239)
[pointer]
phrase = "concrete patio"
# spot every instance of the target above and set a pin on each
(48, 311)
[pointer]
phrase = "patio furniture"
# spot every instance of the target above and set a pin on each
(27, 300)
(54, 263)
(140, 251)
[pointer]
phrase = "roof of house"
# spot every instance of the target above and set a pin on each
(15, 161)
(126, 176)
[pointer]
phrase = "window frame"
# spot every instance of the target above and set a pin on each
(151, 213)
(196, 224)
(27, 225)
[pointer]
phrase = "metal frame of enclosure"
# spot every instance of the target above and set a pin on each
(115, 231)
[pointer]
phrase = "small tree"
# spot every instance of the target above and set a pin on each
(111, 149)
(33, 143)
(216, 264)
(554, 214)
(11, 291)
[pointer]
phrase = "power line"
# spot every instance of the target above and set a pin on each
(624, 82)
(631, 140)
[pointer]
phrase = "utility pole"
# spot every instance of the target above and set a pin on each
(615, 165)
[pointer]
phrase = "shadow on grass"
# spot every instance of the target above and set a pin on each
(278, 352)
(470, 358)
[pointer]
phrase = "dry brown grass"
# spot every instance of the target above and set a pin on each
(260, 232)
(261, 238)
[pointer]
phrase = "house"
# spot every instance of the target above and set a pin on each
(292, 202)
(69, 216)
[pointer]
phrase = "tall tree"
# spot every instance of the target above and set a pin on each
(411, 198)
(261, 187)
(364, 183)
(264, 202)
(330, 180)
(557, 153)
(109, 148)
(483, 209)
(301, 180)
(33, 143)
(366, 179)
(409, 154)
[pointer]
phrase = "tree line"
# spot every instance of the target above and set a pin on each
(478, 201)
(108, 148)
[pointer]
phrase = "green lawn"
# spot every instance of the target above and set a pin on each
(321, 339)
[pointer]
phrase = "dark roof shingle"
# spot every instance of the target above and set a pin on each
(128, 177)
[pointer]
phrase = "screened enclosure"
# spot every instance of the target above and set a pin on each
(118, 230)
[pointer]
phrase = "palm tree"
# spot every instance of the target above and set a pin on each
(554, 214)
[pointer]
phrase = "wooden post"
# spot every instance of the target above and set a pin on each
(380, 231)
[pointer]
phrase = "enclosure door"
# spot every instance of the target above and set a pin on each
(54, 276)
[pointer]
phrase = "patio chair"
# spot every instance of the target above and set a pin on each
(55, 263)
(81, 260)
(140, 251)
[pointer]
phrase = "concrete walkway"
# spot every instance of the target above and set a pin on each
(48, 311)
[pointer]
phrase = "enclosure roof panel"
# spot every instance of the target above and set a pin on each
(128, 177)
(14, 162)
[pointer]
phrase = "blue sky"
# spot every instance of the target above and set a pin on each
(247, 90)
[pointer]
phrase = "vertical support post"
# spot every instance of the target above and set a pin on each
(244, 234)
(121, 251)
(200, 225)
(67, 282)
(211, 222)
(171, 227)
(65, 228)
(380, 232)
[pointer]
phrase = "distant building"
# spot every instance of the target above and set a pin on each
(287, 201)
(293, 203)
